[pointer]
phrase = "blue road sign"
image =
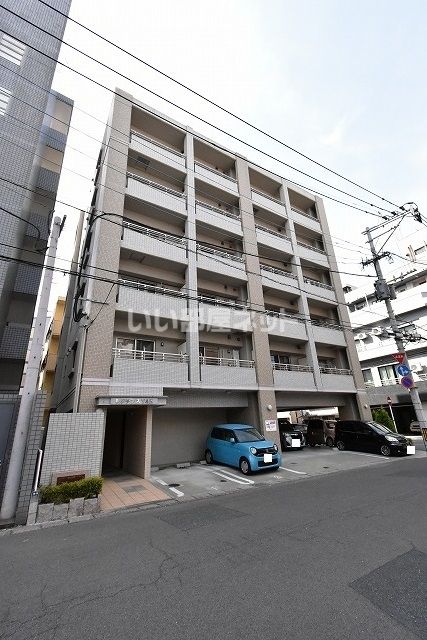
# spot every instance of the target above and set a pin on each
(407, 382)
(403, 370)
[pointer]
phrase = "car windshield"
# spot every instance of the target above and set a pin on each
(248, 435)
(379, 428)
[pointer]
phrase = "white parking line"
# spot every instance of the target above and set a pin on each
(233, 478)
(368, 455)
(178, 493)
(165, 484)
(300, 473)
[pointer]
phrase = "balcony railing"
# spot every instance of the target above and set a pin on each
(152, 356)
(229, 214)
(279, 272)
(304, 213)
(287, 316)
(152, 288)
(155, 185)
(226, 362)
(316, 283)
(266, 195)
(221, 253)
(309, 246)
(156, 143)
(153, 233)
(335, 371)
(278, 366)
(273, 233)
(219, 173)
(327, 324)
(222, 302)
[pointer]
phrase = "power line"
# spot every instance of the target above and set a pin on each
(209, 101)
(176, 106)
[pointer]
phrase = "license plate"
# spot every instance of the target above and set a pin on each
(410, 449)
(295, 442)
(268, 457)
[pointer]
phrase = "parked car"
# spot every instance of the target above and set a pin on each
(369, 436)
(315, 432)
(329, 431)
(291, 437)
(414, 427)
(241, 446)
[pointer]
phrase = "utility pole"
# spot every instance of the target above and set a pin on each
(385, 292)
(29, 389)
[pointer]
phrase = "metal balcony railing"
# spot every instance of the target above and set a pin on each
(155, 185)
(228, 214)
(285, 316)
(279, 272)
(316, 283)
(219, 173)
(226, 362)
(278, 366)
(273, 233)
(151, 356)
(153, 233)
(328, 324)
(156, 143)
(152, 288)
(309, 246)
(335, 371)
(222, 302)
(304, 213)
(266, 195)
(221, 253)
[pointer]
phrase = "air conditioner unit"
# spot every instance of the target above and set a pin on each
(417, 366)
(377, 331)
(360, 336)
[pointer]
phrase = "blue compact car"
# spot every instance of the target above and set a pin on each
(242, 446)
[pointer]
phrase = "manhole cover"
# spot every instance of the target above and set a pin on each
(174, 484)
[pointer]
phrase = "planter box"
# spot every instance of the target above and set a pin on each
(75, 508)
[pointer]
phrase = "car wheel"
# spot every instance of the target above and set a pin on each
(209, 457)
(385, 450)
(340, 445)
(244, 466)
(329, 442)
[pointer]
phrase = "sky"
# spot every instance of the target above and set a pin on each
(342, 82)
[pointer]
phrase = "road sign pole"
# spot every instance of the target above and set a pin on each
(415, 397)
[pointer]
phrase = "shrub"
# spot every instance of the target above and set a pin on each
(382, 417)
(60, 493)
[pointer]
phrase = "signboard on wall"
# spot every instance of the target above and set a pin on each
(271, 425)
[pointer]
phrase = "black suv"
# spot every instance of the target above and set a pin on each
(291, 436)
(369, 436)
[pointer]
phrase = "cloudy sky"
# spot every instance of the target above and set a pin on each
(343, 82)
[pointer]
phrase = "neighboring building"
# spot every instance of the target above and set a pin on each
(375, 342)
(34, 126)
(228, 308)
(51, 354)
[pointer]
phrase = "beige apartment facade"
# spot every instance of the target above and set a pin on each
(208, 293)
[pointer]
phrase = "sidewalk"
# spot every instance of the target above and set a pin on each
(124, 490)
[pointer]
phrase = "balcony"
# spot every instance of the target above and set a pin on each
(281, 324)
(319, 289)
(338, 380)
(305, 219)
(280, 279)
(219, 218)
(312, 254)
(269, 203)
(274, 239)
(328, 333)
(156, 150)
(221, 314)
(154, 243)
(149, 368)
(215, 178)
(224, 373)
(293, 377)
(151, 300)
(220, 261)
(155, 194)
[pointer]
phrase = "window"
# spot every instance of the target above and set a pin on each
(4, 100)
(11, 49)
(387, 374)
(280, 358)
(132, 344)
(367, 376)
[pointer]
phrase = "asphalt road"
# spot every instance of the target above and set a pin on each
(340, 556)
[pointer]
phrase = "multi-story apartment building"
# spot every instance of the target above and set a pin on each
(375, 342)
(33, 132)
(48, 366)
(228, 305)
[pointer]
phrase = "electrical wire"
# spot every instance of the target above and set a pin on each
(211, 102)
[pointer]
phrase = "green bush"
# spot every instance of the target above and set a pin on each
(60, 493)
(382, 416)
